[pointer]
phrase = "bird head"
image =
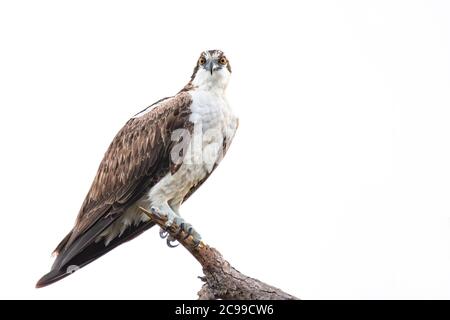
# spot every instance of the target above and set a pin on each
(213, 70)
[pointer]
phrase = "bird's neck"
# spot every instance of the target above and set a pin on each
(216, 82)
(215, 87)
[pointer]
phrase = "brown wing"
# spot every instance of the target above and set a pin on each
(137, 158)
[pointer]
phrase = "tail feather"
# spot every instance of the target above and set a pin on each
(51, 277)
(62, 244)
(84, 250)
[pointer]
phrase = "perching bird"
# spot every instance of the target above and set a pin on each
(156, 161)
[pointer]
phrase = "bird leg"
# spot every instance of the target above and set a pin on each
(175, 220)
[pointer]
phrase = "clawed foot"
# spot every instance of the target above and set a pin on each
(165, 235)
(190, 231)
(173, 219)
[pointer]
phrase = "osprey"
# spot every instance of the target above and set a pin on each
(156, 161)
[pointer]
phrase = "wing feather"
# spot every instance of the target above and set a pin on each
(136, 159)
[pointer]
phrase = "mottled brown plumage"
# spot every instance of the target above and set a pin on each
(137, 158)
(133, 161)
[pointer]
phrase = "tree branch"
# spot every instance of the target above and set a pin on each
(222, 281)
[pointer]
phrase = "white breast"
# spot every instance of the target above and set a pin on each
(213, 122)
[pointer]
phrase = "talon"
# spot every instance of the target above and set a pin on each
(171, 239)
(196, 243)
(196, 238)
(181, 229)
(188, 233)
(163, 233)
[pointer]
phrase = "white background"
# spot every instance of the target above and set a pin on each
(337, 185)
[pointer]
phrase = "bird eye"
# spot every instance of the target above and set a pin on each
(202, 61)
(223, 61)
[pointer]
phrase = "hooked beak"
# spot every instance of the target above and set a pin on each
(210, 67)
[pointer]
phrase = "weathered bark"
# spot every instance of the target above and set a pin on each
(222, 281)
